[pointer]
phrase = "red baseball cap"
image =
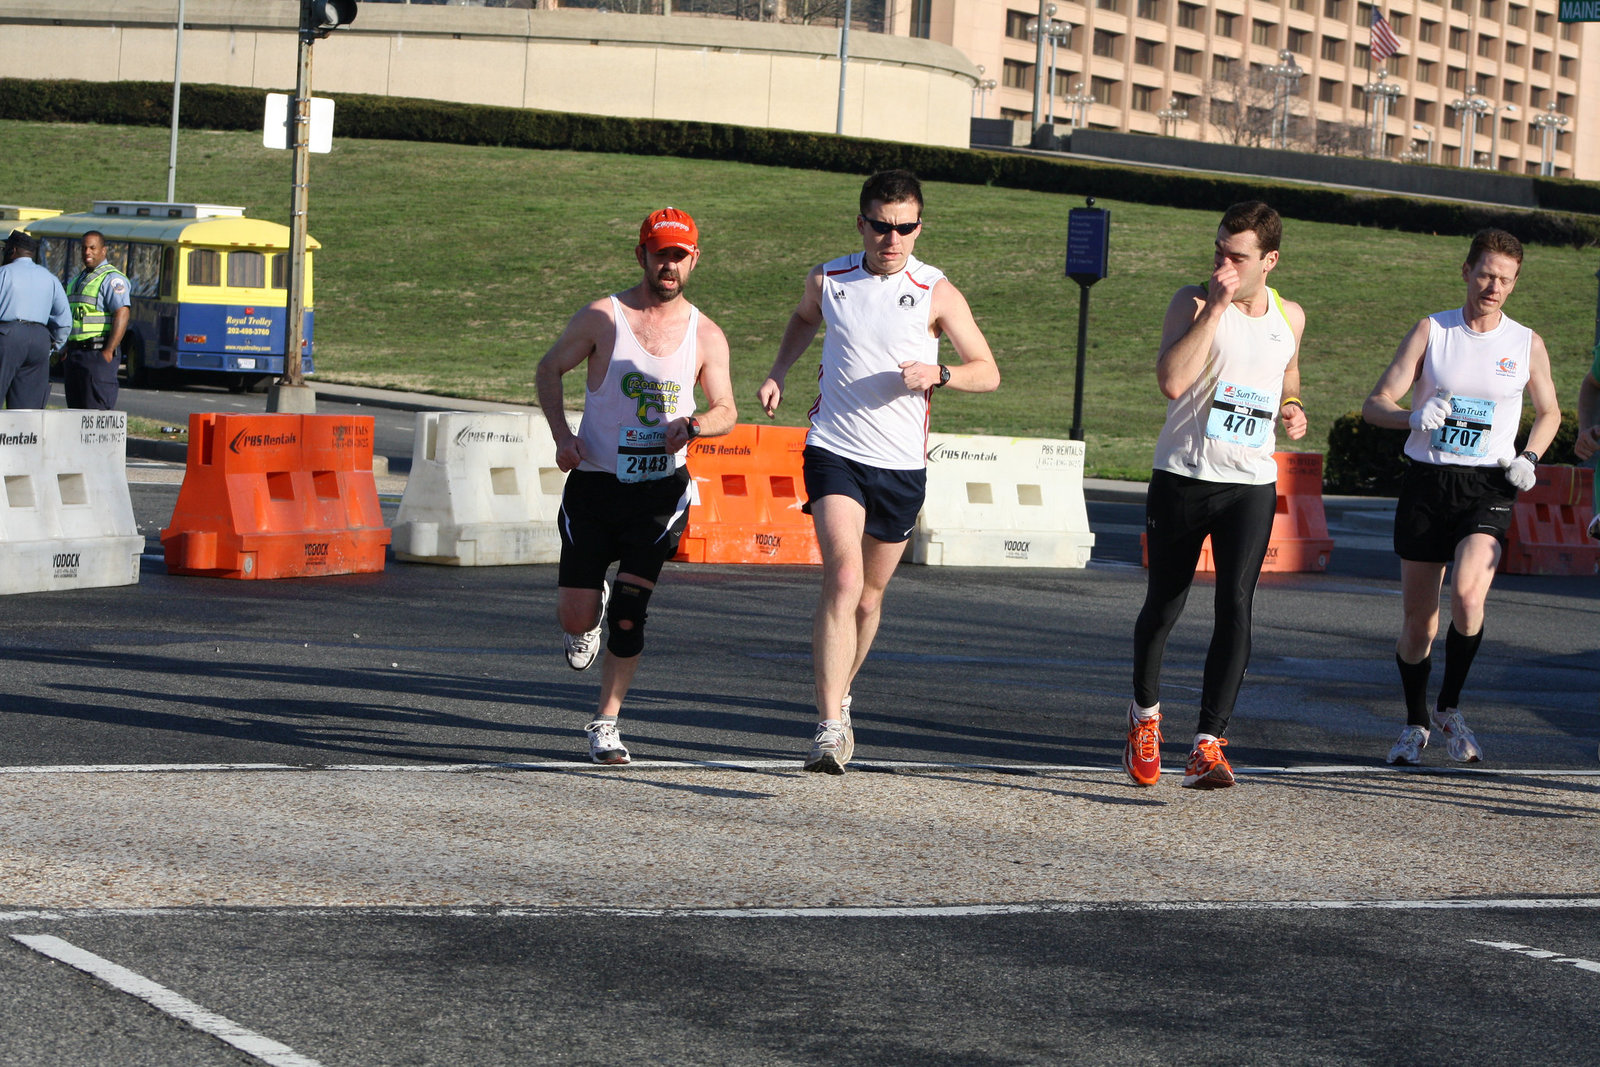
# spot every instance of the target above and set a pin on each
(669, 228)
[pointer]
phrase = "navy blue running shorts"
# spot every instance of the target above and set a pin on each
(892, 497)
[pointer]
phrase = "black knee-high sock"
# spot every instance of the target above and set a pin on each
(1459, 650)
(1414, 682)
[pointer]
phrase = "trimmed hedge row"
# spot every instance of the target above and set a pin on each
(222, 107)
(1363, 459)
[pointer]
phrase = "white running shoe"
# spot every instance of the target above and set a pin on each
(605, 744)
(827, 747)
(849, 749)
(583, 648)
(1459, 742)
(1407, 752)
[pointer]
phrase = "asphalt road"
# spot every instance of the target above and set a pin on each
(428, 667)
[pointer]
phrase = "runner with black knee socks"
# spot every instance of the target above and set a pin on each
(1229, 365)
(1466, 370)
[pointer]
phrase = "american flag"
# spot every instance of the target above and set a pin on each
(1384, 42)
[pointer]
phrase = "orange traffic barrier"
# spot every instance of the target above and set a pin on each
(1549, 525)
(1300, 541)
(751, 488)
(277, 496)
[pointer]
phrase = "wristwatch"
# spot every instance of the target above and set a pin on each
(944, 377)
(1531, 456)
(694, 427)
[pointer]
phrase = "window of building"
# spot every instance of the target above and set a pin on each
(1455, 78)
(1398, 23)
(1422, 111)
(1333, 9)
(1017, 24)
(1299, 41)
(1452, 119)
(1541, 22)
(1150, 9)
(1014, 114)
(1143, 98)
(1328, 90)
(1535, 96)
(1107, 44)
(1425, 71)
(247, 270)
(1395, 65)
(1017, 75)
(1513, 53)
(1458, 5)
(1262, 32)
(1358, 97)
(922, 18)
(1108, 5)
(1515, 14)
(1332, 49)
(1564, 66)
(1221, 68)
(1458, 38)
(1183, 60)
(1189, 16)
(1427, 31)
(1063, 82)
(1104, 91)
(1147, 53)
(1485, 45)
(1486, 8)
(1568, 31)
(205, 267)
(1363, 57)
(1485, 84)
(1185, 102)
(1299, 5)
(1225, 21)
(1541, 59)
(1511, 91)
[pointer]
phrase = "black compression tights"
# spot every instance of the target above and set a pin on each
(1179, 513)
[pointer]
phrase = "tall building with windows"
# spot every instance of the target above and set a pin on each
(1487, 83)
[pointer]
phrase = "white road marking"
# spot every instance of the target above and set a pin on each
(932, 911)
(1539, 954)
(163, 999)
(782, 765)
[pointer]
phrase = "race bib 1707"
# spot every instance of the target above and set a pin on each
(642, 454)
(1466, 431)
(1241, 415)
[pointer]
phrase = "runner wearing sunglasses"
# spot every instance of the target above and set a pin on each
(865, 455)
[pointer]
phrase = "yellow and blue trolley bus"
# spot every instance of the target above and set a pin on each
(210, 295)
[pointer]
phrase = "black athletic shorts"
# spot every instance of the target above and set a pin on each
(892, 497)
(1441, 504)
(604, 520)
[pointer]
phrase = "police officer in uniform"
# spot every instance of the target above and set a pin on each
(34, 321)
(99, 296)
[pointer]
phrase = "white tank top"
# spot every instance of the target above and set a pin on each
(625, 420)
(875, 322)
(1485, 374)
(1223, 428)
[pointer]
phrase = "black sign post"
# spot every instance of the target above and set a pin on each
(1088, 247)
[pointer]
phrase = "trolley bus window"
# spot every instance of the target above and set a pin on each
(169, 270)
(144, 269)
(205, 267)
(280, 271)
(55, 253)
(117, 253)
(247, 270)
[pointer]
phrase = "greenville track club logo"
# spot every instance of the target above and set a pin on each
(651, 395)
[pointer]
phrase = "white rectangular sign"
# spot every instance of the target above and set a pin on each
(275, 129)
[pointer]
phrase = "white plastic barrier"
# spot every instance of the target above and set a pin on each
(66, 519)
(484, 491)
(1003, 502)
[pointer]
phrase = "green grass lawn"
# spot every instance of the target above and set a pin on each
(450, 270)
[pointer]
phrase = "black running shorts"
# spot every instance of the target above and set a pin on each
(636, 524)
(1441, 504)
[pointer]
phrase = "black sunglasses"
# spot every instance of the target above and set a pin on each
(882, 229)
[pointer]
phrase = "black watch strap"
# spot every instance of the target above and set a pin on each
(944, 376)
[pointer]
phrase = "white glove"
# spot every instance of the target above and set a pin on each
(1520, 472)
(1432, 413)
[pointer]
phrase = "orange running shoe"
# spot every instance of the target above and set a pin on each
(1208, 767)
(1141, 757)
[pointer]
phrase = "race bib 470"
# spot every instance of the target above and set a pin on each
(1241, 415)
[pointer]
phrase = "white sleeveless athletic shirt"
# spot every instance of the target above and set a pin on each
(1485, 374)
(875, 322)
(1223, 428)
(625, 420)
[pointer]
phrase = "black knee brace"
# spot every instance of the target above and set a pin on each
(626, 615)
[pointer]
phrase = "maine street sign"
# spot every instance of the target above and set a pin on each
(1579, 11)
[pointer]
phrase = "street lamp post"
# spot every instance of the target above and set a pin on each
(1472, 104)
(1080, 102)
(1057, 31)
(985, 87)
(1550, 122)
(977, 92)
(1171, 114)
(1381, 93)
(1287, 79)
(1494, 136)
(1427, 134)
(1046, 13)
